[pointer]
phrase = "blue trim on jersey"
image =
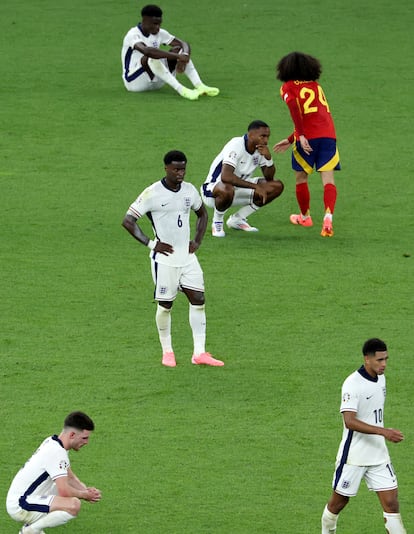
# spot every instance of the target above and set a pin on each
(34, 507)
(127, 61)
(246, 140)
(56, 438)
(215, 174)
(363, 372)
(344, 458)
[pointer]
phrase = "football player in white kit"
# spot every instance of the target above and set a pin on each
(230, 180)
(45, 492)
(147, 67)
(363, 453)
(168, 204)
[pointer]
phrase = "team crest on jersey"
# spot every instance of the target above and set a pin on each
(256, 160)
(346, 397)
(187, 202)
(163, 290)
(63, 464)
(346, 484)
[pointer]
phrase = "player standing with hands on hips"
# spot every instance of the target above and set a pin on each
(45, 492)
(363, 453)
(168, 204)
(314, 137)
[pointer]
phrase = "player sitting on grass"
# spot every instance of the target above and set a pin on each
(146, 67)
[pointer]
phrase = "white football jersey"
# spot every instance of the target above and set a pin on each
(169, 213)
(235, 154)
(49, 462)
(131, 58)
(365, 396)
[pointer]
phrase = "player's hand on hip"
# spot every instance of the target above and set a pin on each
(163, 248)
(193, 246)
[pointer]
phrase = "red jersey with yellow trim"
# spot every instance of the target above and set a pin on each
(308, 108)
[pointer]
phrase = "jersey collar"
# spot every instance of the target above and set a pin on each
(142, 31)
(55, 438)
(164, 183)
(362, 371)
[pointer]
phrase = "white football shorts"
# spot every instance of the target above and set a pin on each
(346, 482)
(243, 196)
(169, 280)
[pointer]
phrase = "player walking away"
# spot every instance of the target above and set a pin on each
(168, 204)
(363, 452)
(314, 138)
(45, 492)
(147, 67)
(230, 179)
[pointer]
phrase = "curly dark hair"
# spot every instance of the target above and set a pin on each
(298, 66)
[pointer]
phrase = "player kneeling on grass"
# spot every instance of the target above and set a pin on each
(168, 204)
(147, 67)
(230, 180)
(45, 492)
(363, 453)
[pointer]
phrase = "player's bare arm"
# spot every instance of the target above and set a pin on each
(157, 53)
(201, 225)
(353, 423)
(281, 146)
(228, 177)
(130, 224)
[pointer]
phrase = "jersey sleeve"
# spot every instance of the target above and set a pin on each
(231, 153)
(166, 37)
(142, 204)
(57, 463)
(350, 397)
(197, 201)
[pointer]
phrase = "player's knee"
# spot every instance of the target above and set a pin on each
(74, 506)
(276, 189)
(224, 194)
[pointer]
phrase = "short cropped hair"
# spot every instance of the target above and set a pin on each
(373, 345)
(298, 66)
(79, 420)
(174, 155)
(255, 125)
(151, 10)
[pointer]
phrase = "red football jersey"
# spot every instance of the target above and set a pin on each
(309, 109)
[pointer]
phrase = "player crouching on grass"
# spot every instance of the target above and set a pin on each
(45, 492)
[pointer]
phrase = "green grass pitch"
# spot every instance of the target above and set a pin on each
(247, 449)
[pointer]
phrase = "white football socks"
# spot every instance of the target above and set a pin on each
(163, 321)
(197, 318)
(53, 519)
(329, 521)
(245, 211)
(218, 216)
(394, 524)
(160, 70)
